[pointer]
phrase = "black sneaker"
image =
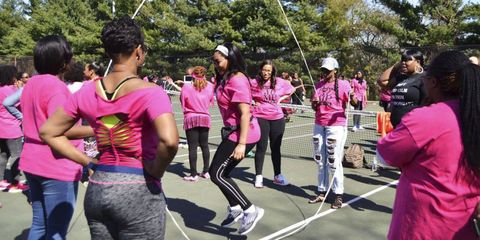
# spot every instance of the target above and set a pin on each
(249, 220)
(232, 217)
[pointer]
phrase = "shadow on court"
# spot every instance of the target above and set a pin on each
(200, 218)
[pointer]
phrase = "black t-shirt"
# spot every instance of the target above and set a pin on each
(406, 95)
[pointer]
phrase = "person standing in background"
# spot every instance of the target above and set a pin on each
(359, 87)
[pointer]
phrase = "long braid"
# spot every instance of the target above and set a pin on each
(335, 87)
(470, 114)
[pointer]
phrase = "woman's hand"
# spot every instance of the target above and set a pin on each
(239, 152)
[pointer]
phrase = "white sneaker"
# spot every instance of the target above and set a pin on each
(249, 220)
(259, 181)
(280, 180)
(361, 128)
(354, 129)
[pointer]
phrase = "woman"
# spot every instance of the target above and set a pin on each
(53, 180)
(440, 182)
(137, 139)
(408, 91)
(297, 83)
(196, 98)
(239, 136)
(330, 132)
(10, 135)
(359, 87)
(11, 102)
(268, 91)
(93, 71)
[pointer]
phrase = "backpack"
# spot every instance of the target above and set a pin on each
(354, 156)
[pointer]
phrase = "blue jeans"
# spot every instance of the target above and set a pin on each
(53, 202)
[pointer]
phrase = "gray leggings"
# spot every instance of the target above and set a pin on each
(120, 206)
(9, 156)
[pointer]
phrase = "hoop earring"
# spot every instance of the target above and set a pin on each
(418, 69)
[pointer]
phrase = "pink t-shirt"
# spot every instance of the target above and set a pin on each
(437, 193)
(195, 105)
(330, 111)
(123, 127)
(236, 90)
(41, 97)
(266, 99)
(9, 125)
(360, 91)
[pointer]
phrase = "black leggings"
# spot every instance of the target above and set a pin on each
(198, 137)
(273, 129)
(222, 166)
(356, 117)
(297, 98)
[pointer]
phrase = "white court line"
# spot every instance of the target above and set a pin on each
(308, 220)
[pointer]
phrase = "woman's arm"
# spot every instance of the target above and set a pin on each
(239, 152)
(54, 132)
(10, 102)
(167, 133)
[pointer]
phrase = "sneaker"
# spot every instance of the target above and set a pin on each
(205, 175)
(280, 180)
(191, 178)
(4, 185)
(354, 129)
(320, 198)
(249, 220)
(233, 215)
(18, 188)
(361, 128)
(338, 201)
(259, 181)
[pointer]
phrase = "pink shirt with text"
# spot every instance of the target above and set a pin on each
(41, 97)
(9, 125)
(124, 127)
(266, 99)
(195, 105)
(330, 111)
(360, 90)
(437, 192)
(236, 90)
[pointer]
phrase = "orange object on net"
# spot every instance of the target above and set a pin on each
(384, 126)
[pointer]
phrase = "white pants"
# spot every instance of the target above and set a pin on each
(329, 142)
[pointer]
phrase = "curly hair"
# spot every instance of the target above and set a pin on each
(121, 36)
(200, 82)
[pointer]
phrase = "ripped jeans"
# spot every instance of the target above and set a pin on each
(328, 149)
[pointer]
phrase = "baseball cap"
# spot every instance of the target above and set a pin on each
(329, 63)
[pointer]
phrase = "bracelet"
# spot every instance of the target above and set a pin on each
(92, 166)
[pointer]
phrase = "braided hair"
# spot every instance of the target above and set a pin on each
(458, 77)
(335, 87)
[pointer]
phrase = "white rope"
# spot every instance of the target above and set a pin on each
(133, 17)
(298, 44)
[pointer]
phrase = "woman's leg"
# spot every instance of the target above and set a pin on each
(261, 145)
(277, 128)
(15, 146)
(192, 140)
(220, 170)
(320, 157)
(203, 139)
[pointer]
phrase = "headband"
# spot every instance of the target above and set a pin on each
(197, 77)
(222, 49)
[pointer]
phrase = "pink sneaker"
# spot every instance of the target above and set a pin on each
(18, 188)
(205, 175)
(191, 178)
(4, 185)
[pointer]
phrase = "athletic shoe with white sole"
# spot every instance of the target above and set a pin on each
(233, 215)
(249, 220)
